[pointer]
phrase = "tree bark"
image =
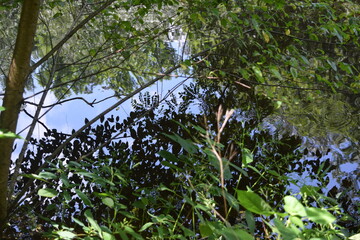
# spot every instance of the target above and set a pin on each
(15, 84)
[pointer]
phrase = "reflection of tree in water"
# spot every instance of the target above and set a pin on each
(325, 115)
(330, 130)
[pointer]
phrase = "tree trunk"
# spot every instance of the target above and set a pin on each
(15, 83)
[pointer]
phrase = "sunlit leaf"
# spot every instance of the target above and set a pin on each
(266, 36)
(146, 226)
(66, 234)
(247, 157)
(236, 234)
(297, 221)
(47, 192)
(92, 221)
(320, 216)
(258, 74)
(48, 175)
(108, 236)
(294, 207)
(253, 202)
(108, 202)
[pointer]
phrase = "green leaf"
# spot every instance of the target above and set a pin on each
(92, 52)
(205, 230)
(168, 156)
(255, 24)
(266, 36)
(83, 197)
(244, 73)
(171, 157)
(355, 237)
(304, 59)
(108, 202)
(92, 221)
(33, 176)
(250, 221)
(294, 207)
(293, 72)
(66, 234)
(184, 67)
(345, 67)
(108, 236)
(48, 175)
(232, 201)
(258, 74)
(47, 192)
(286, 233)
(274, 70)
(253, 202)
(74, 164)
(170, 165)
(308, 190)
(9, 135)
(297, 221)
(186, 144)
(236, 234)
(332, 65)
(247, 157)
(65, 180)
(146, 226)
(88, 174)
(67, 196)
(78, 222)
(127, 214)
(320, 216)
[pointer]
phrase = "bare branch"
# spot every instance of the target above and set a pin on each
(41, 123)
(91, 104)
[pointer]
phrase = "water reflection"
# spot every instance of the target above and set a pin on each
(329, 127)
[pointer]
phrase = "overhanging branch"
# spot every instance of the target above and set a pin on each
(70, 34)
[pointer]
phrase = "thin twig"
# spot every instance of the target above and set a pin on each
(66, 100)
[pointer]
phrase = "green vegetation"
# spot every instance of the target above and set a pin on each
(220, 160)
